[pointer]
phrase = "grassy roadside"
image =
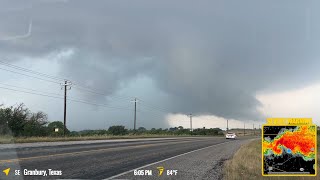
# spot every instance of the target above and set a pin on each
(11, 140)
(246, 164)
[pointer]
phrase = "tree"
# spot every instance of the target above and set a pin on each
(22, 122)
(5, 114)
(142, 129)
(117, 130)
(173, 129)
(59, 125)
(14, 119)
(36, 125)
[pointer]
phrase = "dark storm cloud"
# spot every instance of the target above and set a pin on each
(210, 56)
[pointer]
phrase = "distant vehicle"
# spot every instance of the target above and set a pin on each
(231, 135)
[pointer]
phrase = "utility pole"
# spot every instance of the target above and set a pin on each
(244, 129)
(227, 125)
(135, 114)
(190, 123)
(67, 86)
(253, 130)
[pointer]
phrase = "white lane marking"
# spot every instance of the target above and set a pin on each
(49, 144)
(126, 172)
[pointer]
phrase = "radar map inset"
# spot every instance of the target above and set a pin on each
(289, 150)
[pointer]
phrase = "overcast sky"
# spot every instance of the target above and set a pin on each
(237, 60)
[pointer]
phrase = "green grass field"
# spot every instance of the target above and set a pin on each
(246, 164)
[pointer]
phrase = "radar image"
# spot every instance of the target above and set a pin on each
(289, 150)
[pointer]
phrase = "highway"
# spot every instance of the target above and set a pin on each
(190, 157)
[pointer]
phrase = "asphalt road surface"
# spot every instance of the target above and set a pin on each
(181, 158)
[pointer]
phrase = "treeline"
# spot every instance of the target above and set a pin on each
(20, 121)
(121, 130)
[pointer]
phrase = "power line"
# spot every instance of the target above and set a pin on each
(80, 87)
(76, 85)
(31, 93)
(30, 71)
(143, 110)
(83, 102)
(43, 92)
(99, 93)
(154, 109)
(146, 104)
(103, 105)
(56, 94)
(30, 76)
(74, 100)
(57, 80)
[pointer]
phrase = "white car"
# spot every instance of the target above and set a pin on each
(231, 135)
